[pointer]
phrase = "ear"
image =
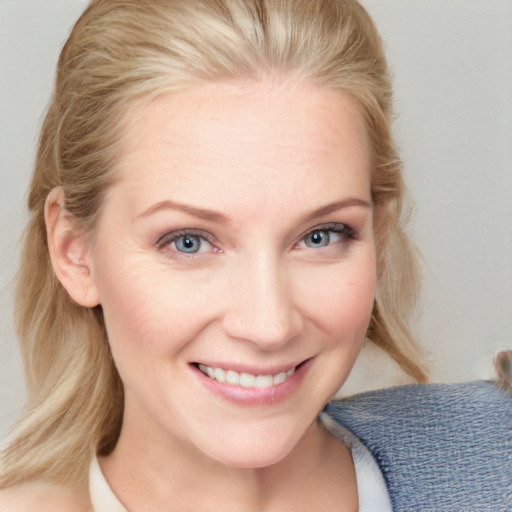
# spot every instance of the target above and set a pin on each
(69, 251)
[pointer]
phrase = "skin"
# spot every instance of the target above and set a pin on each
(276, 165)
(45, 497)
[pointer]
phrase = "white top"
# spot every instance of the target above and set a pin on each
(102, 497)
(371, 488)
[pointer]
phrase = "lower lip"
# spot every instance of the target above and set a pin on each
(255, 396)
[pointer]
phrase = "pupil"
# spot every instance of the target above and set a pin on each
(188, 244)
(317, 238)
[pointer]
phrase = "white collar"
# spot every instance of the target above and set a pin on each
(371, 488)
(102, 497)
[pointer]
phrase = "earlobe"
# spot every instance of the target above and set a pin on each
(68, 246)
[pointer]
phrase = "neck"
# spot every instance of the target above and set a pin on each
(172, 475)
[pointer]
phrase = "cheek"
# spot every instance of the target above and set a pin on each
(341, 303)
(149, 314)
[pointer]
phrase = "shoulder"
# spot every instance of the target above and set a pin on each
(475, 408)
(421, 405)
(44, 497)
(437, 443)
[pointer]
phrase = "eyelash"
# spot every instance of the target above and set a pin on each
(345, 231)
(168, 239)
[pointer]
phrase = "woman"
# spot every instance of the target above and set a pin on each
(216, 227)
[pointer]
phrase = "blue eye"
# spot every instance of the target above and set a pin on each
(327, 235)
(317, 238)
(189, 244)
(186, 243)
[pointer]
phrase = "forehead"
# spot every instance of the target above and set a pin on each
(288, 108)
(247, 136)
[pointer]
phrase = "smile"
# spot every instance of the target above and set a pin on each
(245, 380)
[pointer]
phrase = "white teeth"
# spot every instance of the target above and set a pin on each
(246, 380)
(219, 374)
(264, 381)
(207, 370)
(279, 378)
(232, 377)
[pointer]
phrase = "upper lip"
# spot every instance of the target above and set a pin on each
(251, 369)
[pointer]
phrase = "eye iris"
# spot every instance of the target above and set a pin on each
(188, 244)
(318, 239)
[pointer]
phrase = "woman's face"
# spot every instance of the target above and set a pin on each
(235, 264)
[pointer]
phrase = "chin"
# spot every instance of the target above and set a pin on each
(256, 448)
(253, 458)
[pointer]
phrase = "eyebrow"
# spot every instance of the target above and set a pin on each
(333, 207)
(218, 217)
(201, 213)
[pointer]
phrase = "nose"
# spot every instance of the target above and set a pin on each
(262, 307)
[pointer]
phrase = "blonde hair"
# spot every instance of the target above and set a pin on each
(124, 52)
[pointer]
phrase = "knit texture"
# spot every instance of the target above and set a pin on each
(441, 447)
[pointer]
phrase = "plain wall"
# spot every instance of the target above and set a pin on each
(452, 64)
